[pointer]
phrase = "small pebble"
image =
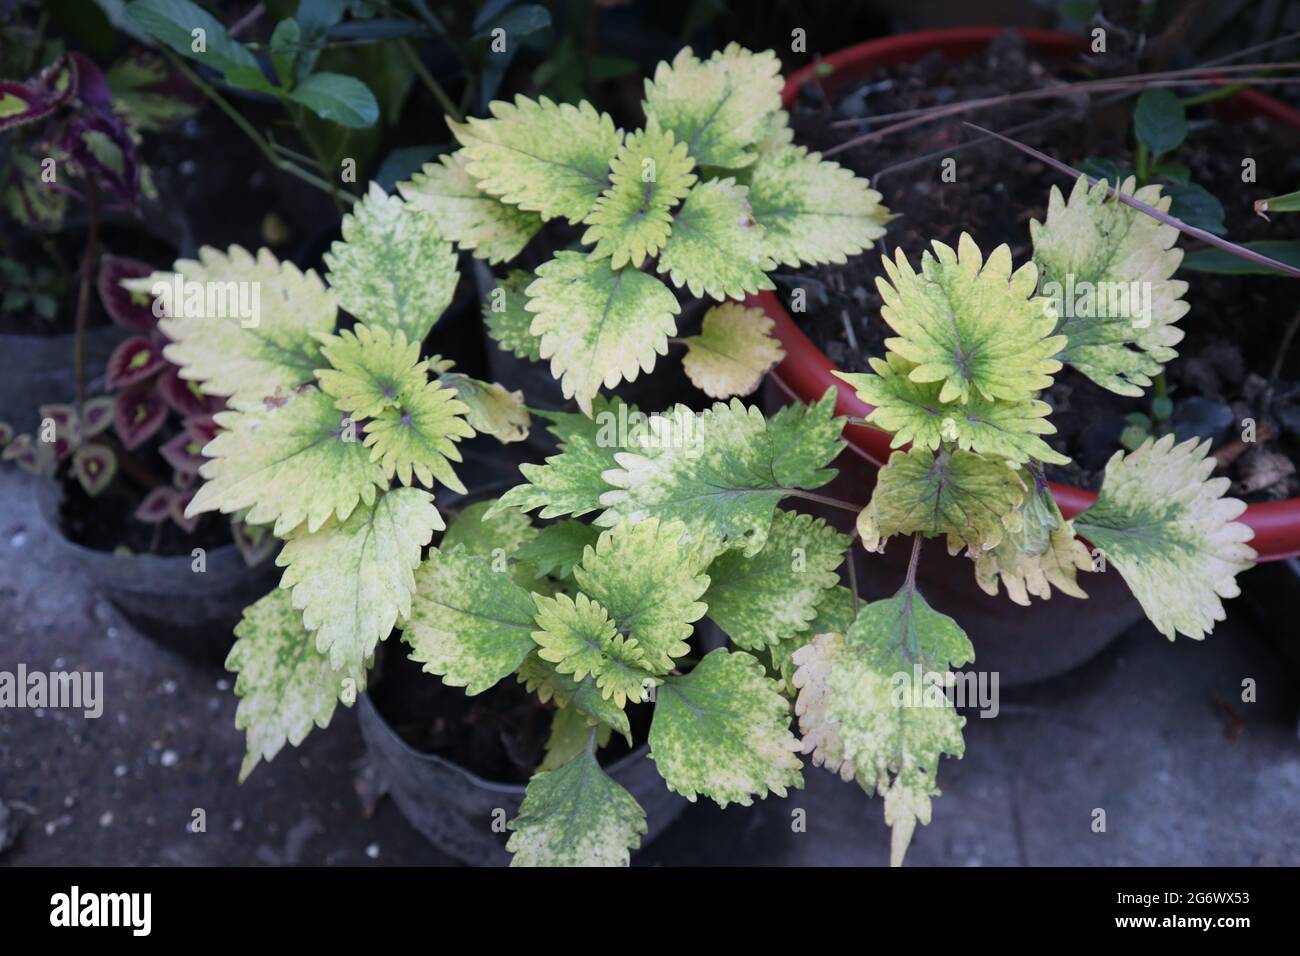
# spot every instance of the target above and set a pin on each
(372, 851)
(106, 818)
(169, 758)
(19, 539)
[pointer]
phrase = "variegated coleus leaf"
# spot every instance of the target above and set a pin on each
(470, 623)
(765, 599)
(134, 360)
(94, 466)
(37, 98)
(392, 269)
(721, 108)
(577, 636)
(724, 730)
(812, 210)
(285, 685)
(1038, 552)
(576, 815)
(972, 324)
(505, 311)
(32, 456)
(1107, 269)
(492, 409)
(557, 548)
(1164, 524)
(353, 578)
(500, 534)
(132, 310)
(570, 483)
(96, 416)
(912, 411)
(570, 734)
(371, 369)
(138, 413)
(288, 463)
(649, 580)
(415, 440)
(649, 175)
(835, 611)
(722, 471)
(540, 677)
(733, 351)
(183, 453)
(716, 248)
(872, 705)
(466, 215)
(184, 397)
(543, 158)
(598, 326)
(157, 506)
(245, 358)
(950, 492)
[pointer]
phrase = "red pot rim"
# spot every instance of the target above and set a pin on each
(806, 372)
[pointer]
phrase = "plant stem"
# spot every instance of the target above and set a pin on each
(853, 571)
(1211, 96)
(1143, 164)
(439, 94)
(823, 499)
(83, 294)
(279, 162)
(910, 581)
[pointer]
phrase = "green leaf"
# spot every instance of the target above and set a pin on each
(1090, 251)
(1164, 524)
(598, 325)
(650, 583)
(470, 624)
(913, 413)
(480, 533)
(465, 214)
(716, 248)
(353, 579)
(970, 323)
(1042, 552)
(812, 210)
(576, 815)
(340, 99)
(720, 107)
(491, 409)
(569, 483)
(417, 438)
(1160, 121)
(721, 472)
(1222, 262)
(173, 22)
(733, 351)
(288, 464)
(835, 612)
(285, 685)
(570, 731)
(544, 158)
(372, 369)
(650, 174)
(872, 705)
(765, 599)
(1287, 203)
(392, 268)
(244, 358)
(1197, 206)
(557, 548)
(578, 637)
(541, 677)
(954, 493)
(724, 730)
(505, 310)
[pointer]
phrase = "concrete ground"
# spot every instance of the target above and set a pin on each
(1154, 734)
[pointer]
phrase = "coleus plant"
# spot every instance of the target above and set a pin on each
(334, 438)
(709, 197)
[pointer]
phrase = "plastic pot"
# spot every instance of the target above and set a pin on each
(39, 371)
(805, 374)
(190, 613)
(455, 810)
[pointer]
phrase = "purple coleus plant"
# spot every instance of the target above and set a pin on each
(79, 128)
(146, 402)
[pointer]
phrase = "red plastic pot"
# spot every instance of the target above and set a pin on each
(805, 374)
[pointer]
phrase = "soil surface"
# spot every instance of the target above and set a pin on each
(1225, 370)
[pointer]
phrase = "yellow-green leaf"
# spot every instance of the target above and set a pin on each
(733, 351)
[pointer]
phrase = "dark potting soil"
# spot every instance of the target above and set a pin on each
(107, 522)
(1234, 328)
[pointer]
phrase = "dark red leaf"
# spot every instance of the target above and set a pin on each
(94, 466)
(138, 413)
(133, 361)
(176, 510)
(127, 309)
(182, 453)
(96, 415)
(184, 397)
(157, 505)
